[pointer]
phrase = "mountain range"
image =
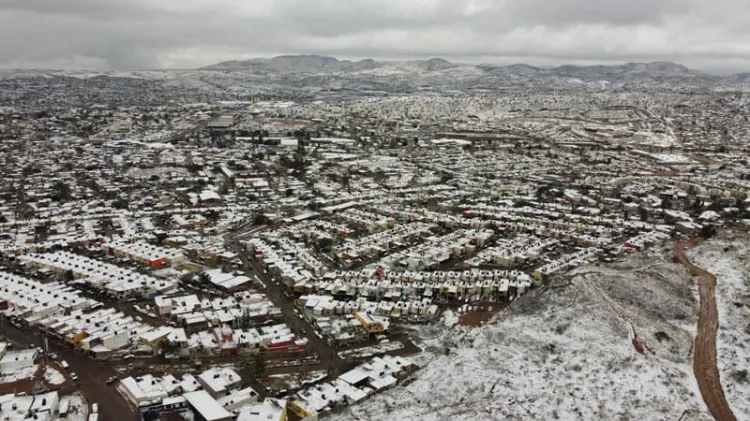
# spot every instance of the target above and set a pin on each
(324, 64)
(441, 75)
(331, 65)
(319, 77)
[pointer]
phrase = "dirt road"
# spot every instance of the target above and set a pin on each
(704, 357)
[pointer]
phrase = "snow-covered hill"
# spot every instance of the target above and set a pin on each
(566, 353)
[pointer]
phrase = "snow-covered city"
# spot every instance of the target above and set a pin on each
(310, 238)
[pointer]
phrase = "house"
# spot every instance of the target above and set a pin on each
(268, 410)
(206, 408)
(143, 390)
(42, 407)
(371, 323)
(219, 381)
(18, 360)
(238, 399)
(155, 336)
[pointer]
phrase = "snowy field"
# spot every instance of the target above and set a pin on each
(728, 258)
(370, 351)
(53, 377)
(79, 408)
(564, 353)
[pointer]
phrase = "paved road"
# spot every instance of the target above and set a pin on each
(91, 375)
(704, 357)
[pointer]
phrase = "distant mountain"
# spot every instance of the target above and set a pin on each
(317, 77)
(324, 64)
(738, 78)
(297, 64)
(433, 64)
(321, 65)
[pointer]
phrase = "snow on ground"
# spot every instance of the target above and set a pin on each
(294, 381)
(564, 353)
(79, 409)
(369, 351)
(450, 318)
(16, 375)
(53, 377)
(727, 258)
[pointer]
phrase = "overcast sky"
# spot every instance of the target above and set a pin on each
(125, 34)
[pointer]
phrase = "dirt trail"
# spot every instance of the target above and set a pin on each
(637, 345)
(704, 357)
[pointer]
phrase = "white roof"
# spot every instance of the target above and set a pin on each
(206, 406)
(268, 410)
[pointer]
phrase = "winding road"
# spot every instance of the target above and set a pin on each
(704, 357)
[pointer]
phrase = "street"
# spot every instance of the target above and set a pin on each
(329, 358)
(91, 375)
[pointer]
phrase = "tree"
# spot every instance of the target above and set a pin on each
(168, 347)
(261, 219)
(708, 231)
(187, 278)
(121, 203)
(204, 278)
(379, 176)
(212, 215)
(643, 213)
(61, 191)
(324, 244)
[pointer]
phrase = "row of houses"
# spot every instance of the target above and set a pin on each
(142, 252)
(26, 298)
(351, 387)
(229, 341)
(379, 290)
(283, 263)
(380, 242)
(366, 221)
(214, 395)
(189, 311)
(437, 250)
(317, 306)
(312, 230)
(566, 262)
(118, 282)
(509, 253)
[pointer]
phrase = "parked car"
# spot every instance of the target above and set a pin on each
(111, 379)
(53, 356)
(94, 408)
(64, 364)
(74, 376)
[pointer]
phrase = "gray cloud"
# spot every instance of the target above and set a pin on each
(121, 34)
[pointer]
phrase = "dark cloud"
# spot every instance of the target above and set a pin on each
(188, 33)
